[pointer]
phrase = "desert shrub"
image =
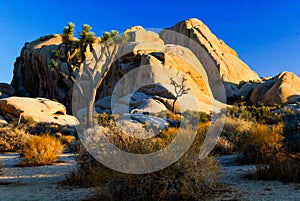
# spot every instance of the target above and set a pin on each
(12, 139)
(66, 139)
(269, 139)
(224, 147)
(234, 130)
(262, 142)
(190, 180)
(259, 113)
(191, 116)
(41, 150)
(280, 167)
(90, 173)
(105, 120)
(186, 179)
(291, 131)
(168, 114)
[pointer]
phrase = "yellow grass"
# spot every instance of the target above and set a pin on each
(41, 150)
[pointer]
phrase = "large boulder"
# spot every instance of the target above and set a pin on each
(141, 40)
(246, 90)
(32, 75)
(39, 110)
(282, 89)
(157, 69)
(219, 60)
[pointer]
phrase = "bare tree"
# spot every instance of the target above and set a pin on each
(180, 89)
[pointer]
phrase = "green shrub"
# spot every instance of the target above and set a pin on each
(260, 113)
(193, 116)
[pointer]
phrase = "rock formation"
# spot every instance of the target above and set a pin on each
(153, 91)
(212, 52)
(39, 110)
(34, 78)
(282, 89)
(219, 66)
(6, 90)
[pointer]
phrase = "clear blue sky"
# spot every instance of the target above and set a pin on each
(265, 33)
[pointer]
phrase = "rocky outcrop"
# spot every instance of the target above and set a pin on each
(39, 110)
(6, 90)
(33, 77)
(211, 52)
(142, 78)
(211, 68)
(282, 89)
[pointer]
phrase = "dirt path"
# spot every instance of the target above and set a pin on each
(252, 189)
(38, 183)
(42, 183)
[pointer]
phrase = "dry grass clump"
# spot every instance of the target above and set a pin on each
(41, 150)
(280, 167)
(266, 138)
(262, 143)
(234, 131)
(186, 179)
(224, 146)
(12, 139)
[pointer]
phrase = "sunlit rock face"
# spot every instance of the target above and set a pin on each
(218, 59)
(282, 89)
(208, 64)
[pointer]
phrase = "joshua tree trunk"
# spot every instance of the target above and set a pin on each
(89, 120)
(101, 68)
(173, 109)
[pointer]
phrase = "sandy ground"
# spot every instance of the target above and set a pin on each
(248, 189)
(38, 183)
(42, 183)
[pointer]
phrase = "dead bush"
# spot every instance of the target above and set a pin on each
(12, 139)
(186, 179)
(41, 150)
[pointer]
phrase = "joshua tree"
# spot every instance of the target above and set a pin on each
(53, 60)
(180, 89)
(107, 35)
(102, 59)
(68, 34)
(75, 50)
(87, 38)
(96, 72)
(68, 40)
